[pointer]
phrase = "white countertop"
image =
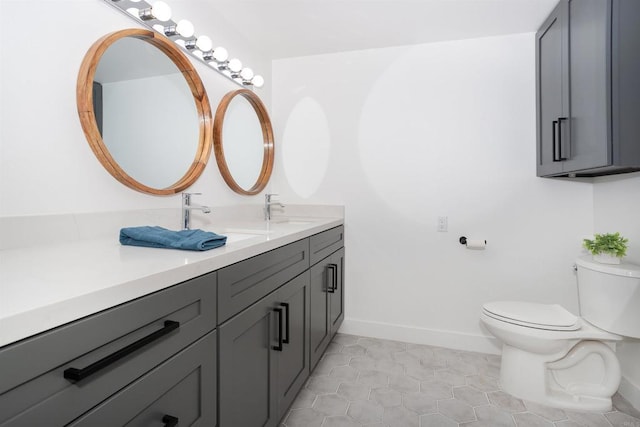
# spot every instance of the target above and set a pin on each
(42, 287)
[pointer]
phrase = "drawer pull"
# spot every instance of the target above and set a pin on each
(75, 374)
(170, 421)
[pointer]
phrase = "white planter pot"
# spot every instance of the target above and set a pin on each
(607, 259)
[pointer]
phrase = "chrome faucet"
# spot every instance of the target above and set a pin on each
(267, 205)
(187, 207)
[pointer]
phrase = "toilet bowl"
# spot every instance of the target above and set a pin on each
(553, 357)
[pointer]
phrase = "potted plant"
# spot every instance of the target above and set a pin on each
(607, 248)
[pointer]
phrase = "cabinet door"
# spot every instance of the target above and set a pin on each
(336, 292)
(293, 360)
(247, 366)
(552, 92)
(320, 332)
(590, 43)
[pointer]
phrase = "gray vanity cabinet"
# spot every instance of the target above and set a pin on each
(55, 377)
(588, 93)
(327, 291)
(264, 358)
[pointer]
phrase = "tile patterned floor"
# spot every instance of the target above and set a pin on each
(366, 382)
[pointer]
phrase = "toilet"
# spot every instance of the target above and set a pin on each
(553, 357)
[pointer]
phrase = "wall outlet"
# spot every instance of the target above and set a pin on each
(443, 223)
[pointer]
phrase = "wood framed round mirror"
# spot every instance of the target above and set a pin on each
(243, 142)
(144, 111)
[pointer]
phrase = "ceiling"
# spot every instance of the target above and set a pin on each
(289, 28)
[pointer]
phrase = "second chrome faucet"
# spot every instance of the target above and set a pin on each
(187, 207)
(268, 203)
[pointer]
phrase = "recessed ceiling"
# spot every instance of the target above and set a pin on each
(289, 28)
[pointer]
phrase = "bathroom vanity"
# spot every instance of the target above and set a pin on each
(141, 336)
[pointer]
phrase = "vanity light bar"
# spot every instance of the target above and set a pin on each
(156, 15)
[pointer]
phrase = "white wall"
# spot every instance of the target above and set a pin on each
(46, 165)
(617, 208)
(413, 133)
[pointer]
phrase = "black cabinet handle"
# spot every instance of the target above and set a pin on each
(333, 268)
(278, 347)
(286, 323)
(170, 421)
(75, 374)
(560, 156)
(556, 143)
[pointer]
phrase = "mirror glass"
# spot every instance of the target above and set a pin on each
(243, 142)
(145, 121)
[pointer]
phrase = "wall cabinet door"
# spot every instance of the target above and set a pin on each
(327, 302)
(552, 91)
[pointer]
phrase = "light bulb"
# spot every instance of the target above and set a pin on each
(160, 11)
(235, 65)
(185, 28)
(257, 81)
(220, 54)
(246, 73)
(204, 43)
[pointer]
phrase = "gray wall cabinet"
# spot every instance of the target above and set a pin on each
(231, 348)
(588, 93)
(327, 296)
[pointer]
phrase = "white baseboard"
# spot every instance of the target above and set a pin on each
(631, 392)
(449, 339)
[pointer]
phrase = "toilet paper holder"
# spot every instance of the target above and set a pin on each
(463, 240)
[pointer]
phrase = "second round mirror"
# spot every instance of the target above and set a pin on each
(243, 142)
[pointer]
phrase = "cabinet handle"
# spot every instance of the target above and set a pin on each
(560, 157)
(286, 323)
(170, 421)
(75, 374)
(334, 278)
(556, 143)
(278, 347)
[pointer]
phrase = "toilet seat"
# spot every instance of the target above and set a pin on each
(551, 317)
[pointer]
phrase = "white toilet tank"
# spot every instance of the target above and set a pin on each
(609, 296)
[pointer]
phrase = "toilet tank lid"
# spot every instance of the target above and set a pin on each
(623, 269)
(533, 313)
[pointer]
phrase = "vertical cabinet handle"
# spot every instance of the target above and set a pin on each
(170, 421)
(286, 323)
(278, 347)
(560, 147)
(556, 142)
(333, 268)
(75, 374)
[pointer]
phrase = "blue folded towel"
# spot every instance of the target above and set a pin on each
(158, 237)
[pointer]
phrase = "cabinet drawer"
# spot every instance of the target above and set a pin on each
(243, 283)
(183, 387)
(324, 244)
(33, 388)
